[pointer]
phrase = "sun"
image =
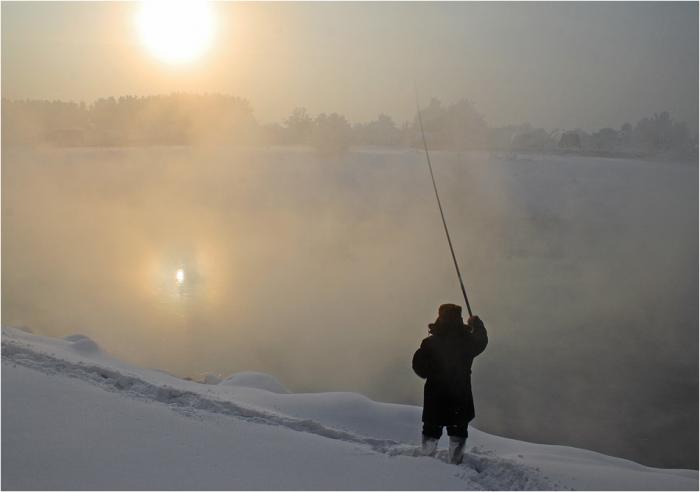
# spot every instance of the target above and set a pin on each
(176, 31)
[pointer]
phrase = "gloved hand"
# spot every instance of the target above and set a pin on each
(475, 322)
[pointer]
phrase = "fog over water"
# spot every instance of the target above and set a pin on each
(325, 273)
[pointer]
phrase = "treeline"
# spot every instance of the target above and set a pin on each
(177, 119)
(657, 135)
(186, 119)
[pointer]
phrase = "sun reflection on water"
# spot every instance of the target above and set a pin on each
(185, 278)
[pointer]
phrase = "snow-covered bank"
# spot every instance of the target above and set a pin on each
(75, 418)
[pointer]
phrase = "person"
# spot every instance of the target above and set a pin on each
(445, 359)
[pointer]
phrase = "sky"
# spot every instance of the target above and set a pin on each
(555, 65)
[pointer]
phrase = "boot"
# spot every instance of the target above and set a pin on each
(429, 445)
(457, 449)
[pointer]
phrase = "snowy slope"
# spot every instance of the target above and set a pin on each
(75, 418)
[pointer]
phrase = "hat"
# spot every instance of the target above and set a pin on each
(449, 311)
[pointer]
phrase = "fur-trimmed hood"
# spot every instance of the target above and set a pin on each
(446, 327)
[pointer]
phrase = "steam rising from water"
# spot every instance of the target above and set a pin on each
(325, 273)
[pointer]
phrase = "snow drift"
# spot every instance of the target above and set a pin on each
(258, 380)
(75, 418)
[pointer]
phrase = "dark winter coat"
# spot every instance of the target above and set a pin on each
(445, 360)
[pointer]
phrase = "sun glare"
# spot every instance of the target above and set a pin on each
(180, 276)
(176, 31)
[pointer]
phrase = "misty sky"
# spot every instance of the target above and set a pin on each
(556, 65)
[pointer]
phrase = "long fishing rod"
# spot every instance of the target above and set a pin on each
(442, 214)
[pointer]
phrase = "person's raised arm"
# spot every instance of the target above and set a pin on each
(478, 335)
